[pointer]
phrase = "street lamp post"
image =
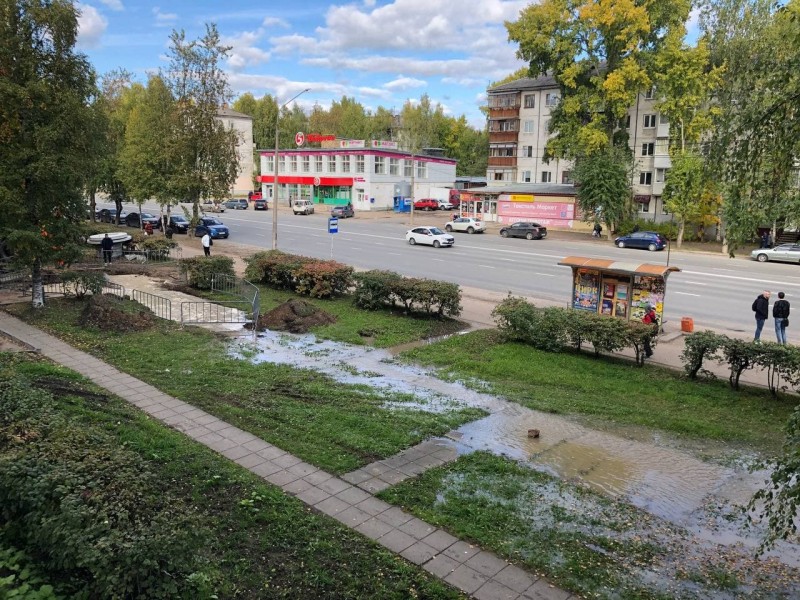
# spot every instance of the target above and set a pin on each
(275, 166)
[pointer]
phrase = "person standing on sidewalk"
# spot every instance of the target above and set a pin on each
(780, 312)
(206, 242)
(107, 246)
(650, 318)
(761, 308)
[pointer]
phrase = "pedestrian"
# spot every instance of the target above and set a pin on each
(148, 228)
(168, 232)
(206, 242)
(598, 229)
(107, 245)
(769, 240)
(764, 240)
(166, 222)
(650, 318)
(780, 312)
(761, 308)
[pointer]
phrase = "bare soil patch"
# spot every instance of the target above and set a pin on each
(106, 314)
(295, 316)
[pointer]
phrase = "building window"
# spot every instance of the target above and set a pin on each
(294, 164)
(649, 121)
(508, 150)
(318, 164)
(646, 178)
(331, 163)
(664, 210)
(408, 168)
(306, 164)
(661, 175)
(546, 176)
(527, 151)
(380, 167)
(503, 101)
(648, 149)
(644, 207)
(650, 94)
(345, 163)
(498, 176)
(662, 118)
(566, 177)
(546, 126)
(551, 99)
(526, 177)
(422, 170)
(530, 101)
(394, 166)
(528, 127)
(269, 164)
(359, 163)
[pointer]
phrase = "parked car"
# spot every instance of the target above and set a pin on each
(260, 204)
(303, 207)
(446, 205)
(524, 229)
(254, 195)
(137, 220)
(343, 211)
(234, 204)
(179, 224)
(467, 224)
(426, 204)
(213, 226)
(432, 236)
(109, 215)
(645, 240)
(214, 207)
(784, 253)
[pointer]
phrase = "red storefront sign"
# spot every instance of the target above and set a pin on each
(549, 214)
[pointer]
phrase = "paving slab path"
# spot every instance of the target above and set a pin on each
(474, 571)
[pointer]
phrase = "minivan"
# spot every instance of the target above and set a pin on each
(303, 207)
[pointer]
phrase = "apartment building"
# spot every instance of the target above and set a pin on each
(519, 119)
(242, 124)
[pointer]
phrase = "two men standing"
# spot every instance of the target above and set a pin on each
(780, 312)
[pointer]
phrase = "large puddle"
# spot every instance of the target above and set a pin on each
(702, 497)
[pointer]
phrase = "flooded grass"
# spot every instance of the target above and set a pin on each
(582, 540)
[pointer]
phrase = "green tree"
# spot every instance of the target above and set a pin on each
(683, 189)
(598, 53)
(467, 145)
(203, 150)
(602, 181)
(45, 125)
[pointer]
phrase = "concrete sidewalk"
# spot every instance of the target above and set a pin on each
(481, 574)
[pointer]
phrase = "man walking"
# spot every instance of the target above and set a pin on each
(761, 308)
(107, 246)
(206, 242)
(780, 312)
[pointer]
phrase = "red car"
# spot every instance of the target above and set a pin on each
(426, 204)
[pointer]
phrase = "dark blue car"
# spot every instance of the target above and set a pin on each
(213, 226)
(645, 240)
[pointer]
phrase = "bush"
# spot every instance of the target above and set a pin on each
(80, 283)
(322, 279)
(373, 289)
(668, 229)
(275, 268)
(200, 270)
(157, 248)
(700, 347)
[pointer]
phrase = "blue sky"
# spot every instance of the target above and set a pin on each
(380, 52)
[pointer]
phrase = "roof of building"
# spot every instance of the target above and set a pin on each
(553, 189)
(229, 112)
(526, 84)
(620, 267)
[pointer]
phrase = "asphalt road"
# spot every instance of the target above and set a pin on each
(714, 290)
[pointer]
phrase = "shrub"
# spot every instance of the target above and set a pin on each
(740, 356)
(373, 289)
(275, 268)
(779, 362)
(200, 270)
(700, 347)
(668, 229)
(322, 279)
(157, 248)
(80, 283)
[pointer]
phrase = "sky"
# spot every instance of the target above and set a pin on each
(380, 52)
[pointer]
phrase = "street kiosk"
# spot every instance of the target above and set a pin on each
(618, 289)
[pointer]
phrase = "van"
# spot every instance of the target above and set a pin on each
(303, 207)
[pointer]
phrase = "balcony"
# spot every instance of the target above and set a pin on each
(662, 161)
(508, 112)
(502, 161)
(497, 137)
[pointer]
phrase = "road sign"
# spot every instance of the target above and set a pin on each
(299, 138)
(333, 225)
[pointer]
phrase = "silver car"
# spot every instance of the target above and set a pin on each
(783, 253)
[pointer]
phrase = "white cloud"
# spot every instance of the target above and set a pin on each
(405, 83)
(91, 26)
(290, 44)
(372, 92)
(164, 19)
(274, 22)
(244, 51)
(113, 4)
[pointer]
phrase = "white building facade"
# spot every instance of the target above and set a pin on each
(242, 124)
(368, 175)
(519, 118)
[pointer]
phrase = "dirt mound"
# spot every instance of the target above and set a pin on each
(295, 316)
(106, 314)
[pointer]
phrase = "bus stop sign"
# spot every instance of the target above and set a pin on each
(333, 225)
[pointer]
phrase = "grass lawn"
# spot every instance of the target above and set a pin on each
(334, 426)
(251, 540)
(611, 390)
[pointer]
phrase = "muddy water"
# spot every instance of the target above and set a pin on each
(664, 481)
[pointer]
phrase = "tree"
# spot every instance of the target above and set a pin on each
(203, 150)
(45, 125)
(602, 182)
(683, 189)
(598, 53)
(467, 145)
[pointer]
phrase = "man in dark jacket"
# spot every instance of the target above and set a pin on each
(107, 245)
(761, 308)
(780, 312)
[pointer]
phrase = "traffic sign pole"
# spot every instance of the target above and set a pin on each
(333, 227)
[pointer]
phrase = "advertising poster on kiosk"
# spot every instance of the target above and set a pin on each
(647, 290)
(587, 290)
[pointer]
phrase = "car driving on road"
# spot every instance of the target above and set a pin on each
(644, 240)
(784, 253)
(524, 229)
(260, 204)
(430, 236)
(234, 204)
(467, 224)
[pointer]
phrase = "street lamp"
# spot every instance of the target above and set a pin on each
(275, 183)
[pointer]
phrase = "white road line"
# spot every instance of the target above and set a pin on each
(687, 294)
(488, 266)
(693, 283)
(545, 274)
(749, 279)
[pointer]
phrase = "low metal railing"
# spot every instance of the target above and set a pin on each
(209, 312)
(158, 305)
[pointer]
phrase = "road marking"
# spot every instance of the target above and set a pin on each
(694, 283)
(748, 279)
(545, 274)
(687, 294)
(438, 260)
(488, 266)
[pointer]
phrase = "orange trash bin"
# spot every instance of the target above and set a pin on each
(687, 324)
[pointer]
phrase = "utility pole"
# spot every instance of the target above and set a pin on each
(413, 177)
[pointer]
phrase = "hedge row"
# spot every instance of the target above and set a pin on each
(300, 274)
(553, 329)
(781, 363)
(376, 289)
(200, 270)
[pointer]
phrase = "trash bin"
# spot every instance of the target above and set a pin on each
(687, 324)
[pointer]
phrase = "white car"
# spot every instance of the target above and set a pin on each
(303, 207)
(467, 224)
(446, 205)
(432, 236)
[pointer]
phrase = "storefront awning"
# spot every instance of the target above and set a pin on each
(642, 198)
(619, 267)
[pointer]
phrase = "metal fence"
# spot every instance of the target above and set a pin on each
(244, 296)
(158, 305)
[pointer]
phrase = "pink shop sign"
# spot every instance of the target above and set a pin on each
(536, 210)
